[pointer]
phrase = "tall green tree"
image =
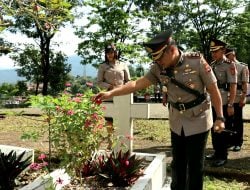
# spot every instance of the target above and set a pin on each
(40, 20)
(109, 22)
(210, 19)
(30, 66)
(4, 23)
(194, 22)
(239, 35)
(163, 15)
(31, 69)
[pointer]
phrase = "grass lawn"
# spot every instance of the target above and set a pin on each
(149, 136)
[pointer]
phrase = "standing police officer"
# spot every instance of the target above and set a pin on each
(225, 72)
(187, 80)
(111, 74)
(240, 100)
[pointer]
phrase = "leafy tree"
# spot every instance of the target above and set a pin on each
(211, 19)
(31, 69)
(40, 19)
(8, 89)
(22, 88)
(163, 15)
(194, 22)
(239, 35)
(4, 23)
(59, 72)
(112, 21)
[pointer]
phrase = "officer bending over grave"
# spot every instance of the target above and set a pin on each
(190, 84)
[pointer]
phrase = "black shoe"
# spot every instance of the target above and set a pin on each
(210, 157)
(236, 148)
(218, 163)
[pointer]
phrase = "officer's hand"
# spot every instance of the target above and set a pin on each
(102, 96)
(230, 111)
(164, 99)
(242, 102)
(219, 126)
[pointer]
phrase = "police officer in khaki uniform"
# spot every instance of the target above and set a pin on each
(226, 75)
(112, 74)
(240, 100)
(187, 80)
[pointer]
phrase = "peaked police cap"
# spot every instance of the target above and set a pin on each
(217, 44)
(158, 44)
(229, 51)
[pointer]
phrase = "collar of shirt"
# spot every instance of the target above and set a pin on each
(180, 61)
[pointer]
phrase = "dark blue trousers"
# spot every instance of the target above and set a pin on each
(237, 138)
(220, 141)
(188, 161)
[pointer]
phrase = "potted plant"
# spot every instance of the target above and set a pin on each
(11, 166)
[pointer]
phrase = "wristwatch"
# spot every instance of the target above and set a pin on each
(221, 119)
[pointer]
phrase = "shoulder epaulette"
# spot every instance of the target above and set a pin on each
(242, 63)
(193, 54)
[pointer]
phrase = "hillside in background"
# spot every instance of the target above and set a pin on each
(10, 75)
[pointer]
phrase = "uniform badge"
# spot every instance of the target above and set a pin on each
(164, 89)
(192, 85)
(212, 43)
(187, 70)
(233, 70)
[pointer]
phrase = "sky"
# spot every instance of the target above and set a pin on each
(68, 44)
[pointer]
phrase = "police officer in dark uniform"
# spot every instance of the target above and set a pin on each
(240, 100)
(226, 75)
(190, 85)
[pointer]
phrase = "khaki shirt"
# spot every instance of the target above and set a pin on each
(242, 77)
(193, 71)
(112, 75)
(225, 72)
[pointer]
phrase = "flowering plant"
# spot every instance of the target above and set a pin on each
(54, 181)
(75, 126)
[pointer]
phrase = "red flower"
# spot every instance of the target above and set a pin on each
(58, 108)
(67, 84)
(97, 100)
(87, 123)
(100, 126)
(127, 163)
(129, 137)
(70, 112)
(42, 157)
(94, 116)
(77, 99)
(79, 95)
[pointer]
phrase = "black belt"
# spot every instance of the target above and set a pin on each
(239, 86)
(184, 106)
(224, 86)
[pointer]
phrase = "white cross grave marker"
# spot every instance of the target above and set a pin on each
(123, 111)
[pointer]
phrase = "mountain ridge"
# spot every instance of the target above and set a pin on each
(10, 75)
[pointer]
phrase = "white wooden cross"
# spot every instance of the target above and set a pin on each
(123, 111)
